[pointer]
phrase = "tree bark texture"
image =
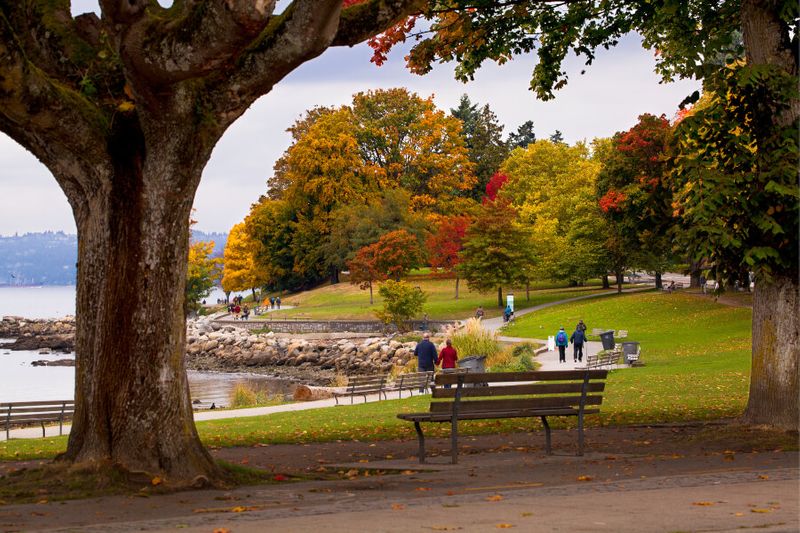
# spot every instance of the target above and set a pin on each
(775, 370)
(499, 296)
(659, 282)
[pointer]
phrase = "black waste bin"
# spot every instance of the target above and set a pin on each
(473, 363)
(607, 338)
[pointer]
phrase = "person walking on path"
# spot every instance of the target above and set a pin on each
(425, 352)
(581, 326)
(278, 302)
(448, 358)
(562, 342)
(577, 339)
(479, 313)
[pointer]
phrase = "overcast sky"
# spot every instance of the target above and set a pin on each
(615, 90)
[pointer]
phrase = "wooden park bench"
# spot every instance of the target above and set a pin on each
(362, 386)
(412, 381)
(605, 359)
(510, 395)
(26, 413)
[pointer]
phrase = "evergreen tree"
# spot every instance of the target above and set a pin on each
(522, 137)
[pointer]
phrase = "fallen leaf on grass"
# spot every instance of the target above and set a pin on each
(760, 510)
(527, 514)
(763, 476)
(585, 478)
(423, 488)
(504, 526)
(738, 514)
(495, 498)
(156, 481)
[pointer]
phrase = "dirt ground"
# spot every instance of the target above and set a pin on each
(688, 477)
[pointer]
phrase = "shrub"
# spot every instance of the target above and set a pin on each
(401, 301)
(243, 395)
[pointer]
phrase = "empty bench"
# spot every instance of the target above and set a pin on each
(605, 359)
(412, 381)
(510, 395)
(362, 386)
(27, 413)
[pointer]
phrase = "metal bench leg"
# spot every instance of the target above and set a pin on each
(43, 435)
(548, 448)
(421, 439)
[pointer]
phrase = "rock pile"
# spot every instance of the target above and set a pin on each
(211, 346)
(37, 334)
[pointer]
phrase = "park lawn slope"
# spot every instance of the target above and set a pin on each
(696, 353)
(346, 301)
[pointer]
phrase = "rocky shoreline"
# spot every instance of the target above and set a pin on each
(214, 347)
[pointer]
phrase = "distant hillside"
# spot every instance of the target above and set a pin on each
(50, 258)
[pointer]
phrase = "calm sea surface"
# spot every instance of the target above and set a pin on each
(20, 381)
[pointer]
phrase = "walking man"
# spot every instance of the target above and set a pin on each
(562, 342)
(425, 353)
(577, 339)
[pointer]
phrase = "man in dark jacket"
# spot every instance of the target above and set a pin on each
(425, 352)
(577, 339)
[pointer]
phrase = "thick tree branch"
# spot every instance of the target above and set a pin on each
(195, 38)
(367, 19)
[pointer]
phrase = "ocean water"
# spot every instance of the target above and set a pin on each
(20, 381)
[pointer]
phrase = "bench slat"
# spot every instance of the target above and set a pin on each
(511, 404)
(53, 409)
(496, 377)
(528, 413)
(15, 405)
(527, 388)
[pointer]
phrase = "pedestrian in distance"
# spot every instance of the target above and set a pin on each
(272, 302)
(425, 352)
(448, 358)
(479, 312)
(581, 326)
(245, 312)
(507, 314)
(562, 342)
(577, 339)
(278, 302)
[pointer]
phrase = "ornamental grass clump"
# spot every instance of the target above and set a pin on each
(474, 340)
(245, 396)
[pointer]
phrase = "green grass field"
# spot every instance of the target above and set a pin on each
(697, 367)
(346, 301)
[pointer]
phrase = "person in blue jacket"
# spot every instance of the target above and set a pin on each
(562, 341)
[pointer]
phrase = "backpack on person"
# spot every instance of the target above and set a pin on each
(561, 338)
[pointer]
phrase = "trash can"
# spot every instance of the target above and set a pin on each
(473, 363)
(607, 337)
(630, 352)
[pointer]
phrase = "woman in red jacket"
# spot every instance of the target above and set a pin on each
(448, 355)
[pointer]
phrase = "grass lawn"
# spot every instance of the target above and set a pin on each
(347, 301)
(696, 351)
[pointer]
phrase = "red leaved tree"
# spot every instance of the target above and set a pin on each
(496, 183)
(445, 245)
(393, 256)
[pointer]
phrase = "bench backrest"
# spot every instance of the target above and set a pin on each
(518, 391)
(415, 380)
(358, 384)
(19, 412)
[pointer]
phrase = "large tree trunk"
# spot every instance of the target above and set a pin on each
(694, 274)
(606, 284)
(774, 387)
(499, 296)
(620, 279)
(659, 282)
(132, 397)
(776, 351)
